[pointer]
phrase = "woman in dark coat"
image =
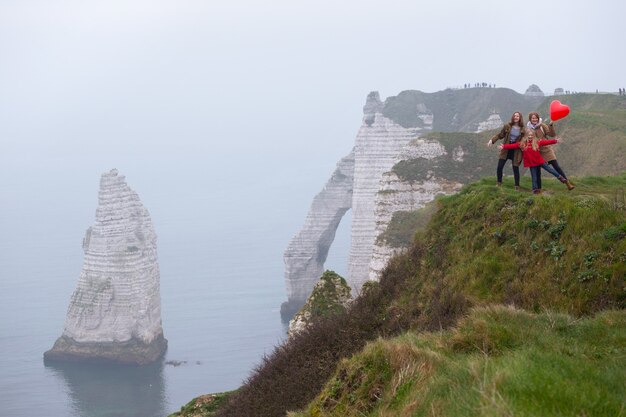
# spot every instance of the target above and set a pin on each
(511, 132)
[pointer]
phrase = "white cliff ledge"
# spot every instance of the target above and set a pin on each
(115, 312)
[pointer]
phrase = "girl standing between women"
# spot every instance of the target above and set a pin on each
(511, 132)
(530, 147)
(542, 131)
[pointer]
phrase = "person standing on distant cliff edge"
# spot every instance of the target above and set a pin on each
(511, 132)
(542, 131)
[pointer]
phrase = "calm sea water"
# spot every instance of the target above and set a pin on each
(221, 234)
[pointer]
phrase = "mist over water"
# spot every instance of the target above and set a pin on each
(222, 226)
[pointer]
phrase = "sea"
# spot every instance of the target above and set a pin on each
(223, 218)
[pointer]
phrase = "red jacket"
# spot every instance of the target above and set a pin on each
(532, 158)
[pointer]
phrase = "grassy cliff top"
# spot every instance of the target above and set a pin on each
(564, 250)
(560, 255)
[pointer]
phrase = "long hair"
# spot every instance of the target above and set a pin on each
(529, 135)
(521, 119)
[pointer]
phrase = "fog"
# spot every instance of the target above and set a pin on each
(226, 118)
(266, 84)
(213, 105)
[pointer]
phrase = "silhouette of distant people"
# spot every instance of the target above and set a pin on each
(479, 85)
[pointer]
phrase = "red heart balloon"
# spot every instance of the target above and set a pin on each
(558, 110)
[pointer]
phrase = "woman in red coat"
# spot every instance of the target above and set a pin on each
(533, 160)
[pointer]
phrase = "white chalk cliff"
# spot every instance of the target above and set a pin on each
(378, 143)
(115, 312)
(493, 122)
(397, 195)
(305, 256)
(353, 185)
(364, 182)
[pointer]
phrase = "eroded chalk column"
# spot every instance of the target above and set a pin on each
(114, 314)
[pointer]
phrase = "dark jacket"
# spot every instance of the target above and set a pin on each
(505, 135)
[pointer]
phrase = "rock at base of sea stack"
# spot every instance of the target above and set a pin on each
(114, 314)
(131, 352)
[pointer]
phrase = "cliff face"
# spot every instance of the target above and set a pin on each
(387, 128)
(397, 195)
(457, 110)
(493, 122)
(378, 143)
(115, 312)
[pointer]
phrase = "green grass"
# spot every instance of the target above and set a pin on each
(498, 361)
(404, 224)
(562, 252)
(205, 405)
(560, 249)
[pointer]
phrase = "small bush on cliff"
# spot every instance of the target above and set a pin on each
(329, 296)
(203, 406)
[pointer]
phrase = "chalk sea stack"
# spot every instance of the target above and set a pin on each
(114, 314)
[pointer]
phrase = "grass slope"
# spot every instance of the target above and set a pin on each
(561, 252)
(498, 361)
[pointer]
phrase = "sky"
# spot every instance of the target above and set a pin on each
(252, 90)
(121, 68)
